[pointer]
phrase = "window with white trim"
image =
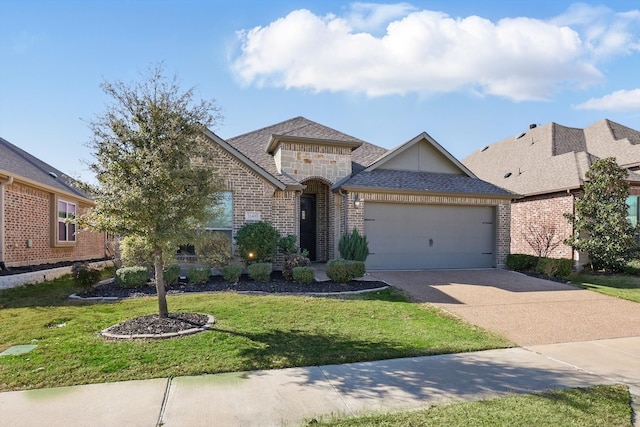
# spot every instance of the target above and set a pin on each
(66, 229)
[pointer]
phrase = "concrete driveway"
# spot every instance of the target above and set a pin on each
(526, 310)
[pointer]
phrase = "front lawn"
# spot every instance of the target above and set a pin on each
(615, 285)
(251, 332)
(593, 406)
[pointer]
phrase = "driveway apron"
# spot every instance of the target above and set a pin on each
(526, 310)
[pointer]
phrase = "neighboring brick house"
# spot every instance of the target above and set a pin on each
(418, 206)
(36, 201)
(547, 165)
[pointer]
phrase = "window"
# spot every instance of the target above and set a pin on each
(66, 225)
(632, 213)
(220, 221)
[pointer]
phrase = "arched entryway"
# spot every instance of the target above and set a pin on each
(314, 219)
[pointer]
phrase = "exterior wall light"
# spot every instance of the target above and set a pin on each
(358, 202)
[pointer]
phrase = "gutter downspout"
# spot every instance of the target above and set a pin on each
(9, 181)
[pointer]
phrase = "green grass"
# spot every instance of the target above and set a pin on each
(615, 285)
(593, 406)
(251, 332)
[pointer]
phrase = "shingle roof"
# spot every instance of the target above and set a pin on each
(430, 182)
(254, 144)
(553, 157)
(19, 163)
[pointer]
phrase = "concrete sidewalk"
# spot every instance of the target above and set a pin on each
(290, 397)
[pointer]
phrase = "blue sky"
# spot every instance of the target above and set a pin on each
(469, 73)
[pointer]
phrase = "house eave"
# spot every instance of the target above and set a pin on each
(275, 141)
(364, 189)
(49, 189)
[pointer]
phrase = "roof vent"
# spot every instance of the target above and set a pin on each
(484, 149)
(521, 135)
(533, 126)
(507, 175)
(53, 174)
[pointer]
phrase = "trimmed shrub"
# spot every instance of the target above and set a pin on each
(213, 248)
(354, 246)
(231, 272)
(171, 274)
(84, 276)
(304, 275)
(522, 262)
(554, 267)
(292, 261)
(257, 242)
(198, 275)
(260, 271)
(632, 267)
(343, 271)
(132, 277)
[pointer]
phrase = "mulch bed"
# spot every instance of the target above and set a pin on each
(277, 284)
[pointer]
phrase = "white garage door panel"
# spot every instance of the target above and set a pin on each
(424, 236)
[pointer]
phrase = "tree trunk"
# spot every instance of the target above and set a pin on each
(158, 263)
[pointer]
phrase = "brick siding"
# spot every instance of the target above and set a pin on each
(28, 226)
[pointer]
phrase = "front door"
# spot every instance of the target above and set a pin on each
(308, 224)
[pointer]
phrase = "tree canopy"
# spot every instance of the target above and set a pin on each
(600, 220)
(153, 164)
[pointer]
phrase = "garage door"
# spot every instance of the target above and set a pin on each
(426, 236)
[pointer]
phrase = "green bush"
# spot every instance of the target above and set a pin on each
(287, 244)
(522, 262)
(292, 261)
(198, 275)
(304, 275)
(260, 271)
(132, 277)
(554, 267)
(231, 272)
(354, 246)
(342, 271)
(213, 248)
(633, 267)
(84, 276)
(257, 242)
(171, 274)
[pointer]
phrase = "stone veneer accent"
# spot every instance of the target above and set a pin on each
(27, 217)
(304, 160)
(355, 216)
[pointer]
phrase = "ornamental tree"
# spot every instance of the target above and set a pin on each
(600, 220)
(153, 165)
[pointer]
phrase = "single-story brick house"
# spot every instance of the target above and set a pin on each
(547, 165)
(36, 200)
(418, 205)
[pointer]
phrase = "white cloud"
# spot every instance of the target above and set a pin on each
(622, 100)
(427, 51)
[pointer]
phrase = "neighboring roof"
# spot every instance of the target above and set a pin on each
(423, 182)
(553, 157)
(254, 145)
(19, 164)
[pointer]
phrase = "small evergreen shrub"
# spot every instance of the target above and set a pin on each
(304, 275)
(257, 242)
(287, 244)
(132, 277)
(522, 262)
(260, 271)
(343, 271)
(554, 267)
(171, 274)
(84, 276)
(231, 272)
(292, 261)
(198, 275)
(213, 249)
(354, 246)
